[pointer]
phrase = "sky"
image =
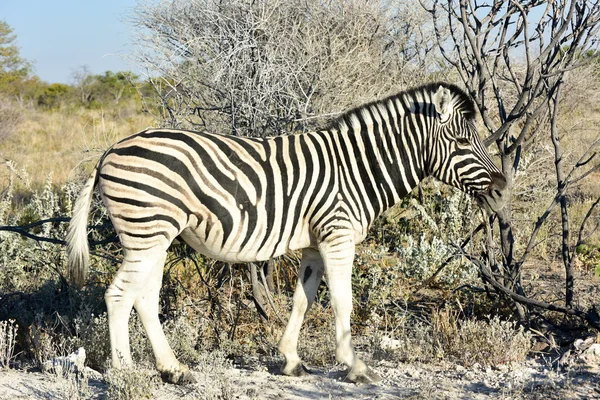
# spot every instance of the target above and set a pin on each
(61, 36)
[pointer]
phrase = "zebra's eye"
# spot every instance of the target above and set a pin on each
(463, 141)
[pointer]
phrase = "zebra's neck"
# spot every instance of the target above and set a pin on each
(383, 154)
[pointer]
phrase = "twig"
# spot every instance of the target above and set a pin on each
(23, 231)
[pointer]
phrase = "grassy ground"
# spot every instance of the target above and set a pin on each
(55, 142)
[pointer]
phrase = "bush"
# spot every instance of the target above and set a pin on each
(420, 234)
(487, 343)
(467, 341)
(55, 96)
(131, 383)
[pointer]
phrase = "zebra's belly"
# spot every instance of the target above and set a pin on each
(236, 249)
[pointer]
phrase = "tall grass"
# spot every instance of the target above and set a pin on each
(54, 142)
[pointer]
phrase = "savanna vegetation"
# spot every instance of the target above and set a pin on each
(435, 274)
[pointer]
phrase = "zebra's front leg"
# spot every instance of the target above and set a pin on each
(338, 256)
(309, 278)
(147, 307)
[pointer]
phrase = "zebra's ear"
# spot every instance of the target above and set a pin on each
(441, 101)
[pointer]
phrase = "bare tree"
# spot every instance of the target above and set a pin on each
(83, 81)
(514, 58)
(267, 67)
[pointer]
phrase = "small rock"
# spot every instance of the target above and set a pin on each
(502, 367)
(412, 372)
(590, 357)
(92, 373)
(581, 344)
(387, 343)
(73, 363)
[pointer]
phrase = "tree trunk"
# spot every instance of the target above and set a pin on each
(564, 211)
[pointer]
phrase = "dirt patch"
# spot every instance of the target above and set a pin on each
(258, 379)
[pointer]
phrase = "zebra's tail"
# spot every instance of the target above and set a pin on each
(77, 237)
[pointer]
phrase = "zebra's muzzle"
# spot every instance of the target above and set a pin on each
(495, 197)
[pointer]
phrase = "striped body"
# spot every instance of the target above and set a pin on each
(244, 199)
(239, 199)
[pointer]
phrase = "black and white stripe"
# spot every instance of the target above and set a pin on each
(247, 199)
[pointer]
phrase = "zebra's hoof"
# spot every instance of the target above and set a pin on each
(360, 373)
(178, 377)
(297, 370)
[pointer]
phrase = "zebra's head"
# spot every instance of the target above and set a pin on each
(458, 156)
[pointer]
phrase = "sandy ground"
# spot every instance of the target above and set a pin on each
(260, 380)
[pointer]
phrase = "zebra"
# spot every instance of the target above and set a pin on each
(241, 199)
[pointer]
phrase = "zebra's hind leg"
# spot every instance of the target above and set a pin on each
(147, 307)
(309, 277)
(120, 297)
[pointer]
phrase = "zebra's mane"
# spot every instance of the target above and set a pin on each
(459, 98)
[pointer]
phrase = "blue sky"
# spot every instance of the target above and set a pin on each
(60, 36)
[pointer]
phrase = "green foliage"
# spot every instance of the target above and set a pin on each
(54, 96)
(33, 276)
(104, 90)
(92, 334)
(419, 234)
(114, 87)
(13, 68)
(22, 260)
(588, 256)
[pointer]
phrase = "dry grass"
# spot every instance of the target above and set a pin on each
(470, 341)
(56, 142)
(8, 339)
(131, 383)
